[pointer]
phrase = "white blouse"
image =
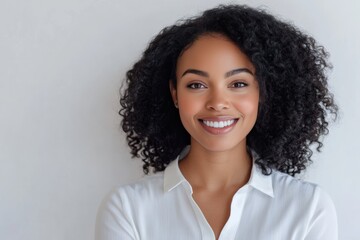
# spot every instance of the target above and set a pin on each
(274, 207)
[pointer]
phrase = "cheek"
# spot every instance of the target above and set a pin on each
(188, 106)
(248, 105)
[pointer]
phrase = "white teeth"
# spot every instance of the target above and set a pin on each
(220, 124)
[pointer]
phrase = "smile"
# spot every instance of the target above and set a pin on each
(218, 127)
(218, 124)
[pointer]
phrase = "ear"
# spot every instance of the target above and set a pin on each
(173, 92)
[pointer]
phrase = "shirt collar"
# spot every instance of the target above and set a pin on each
(173, 176)
(261, 182)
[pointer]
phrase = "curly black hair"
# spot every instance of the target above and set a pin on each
(291, 69)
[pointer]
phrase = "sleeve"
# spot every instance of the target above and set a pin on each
(112, 221)
(323, 224)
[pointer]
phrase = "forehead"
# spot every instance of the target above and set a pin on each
(213, 53)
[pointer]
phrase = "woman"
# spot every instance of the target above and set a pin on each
(224, 108)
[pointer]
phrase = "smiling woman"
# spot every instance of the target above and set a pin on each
(224, 108)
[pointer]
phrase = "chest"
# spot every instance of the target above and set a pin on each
(215, 207)
(248, 214)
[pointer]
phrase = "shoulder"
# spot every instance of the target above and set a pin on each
(305, 196)
(124, 206)
(305, 204)
(120, 204)
(286, 185)
(141, 189)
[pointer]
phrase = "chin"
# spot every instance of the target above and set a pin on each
(221, 146)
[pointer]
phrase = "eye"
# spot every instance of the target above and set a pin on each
(195, 85)
(238, 84)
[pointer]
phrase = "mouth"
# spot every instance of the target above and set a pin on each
(218, 126)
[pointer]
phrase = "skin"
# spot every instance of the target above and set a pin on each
(216, 81)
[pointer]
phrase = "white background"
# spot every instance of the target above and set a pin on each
(61, 65)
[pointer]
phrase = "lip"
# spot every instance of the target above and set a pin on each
(218, 118)
(218, 131)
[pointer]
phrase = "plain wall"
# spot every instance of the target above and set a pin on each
(61, 66)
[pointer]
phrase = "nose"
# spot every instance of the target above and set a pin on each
(217, 101)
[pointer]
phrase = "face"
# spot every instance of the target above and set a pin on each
(216, 93)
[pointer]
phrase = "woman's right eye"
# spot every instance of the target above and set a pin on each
(195, 85)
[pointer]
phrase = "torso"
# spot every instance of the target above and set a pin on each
(264, 198)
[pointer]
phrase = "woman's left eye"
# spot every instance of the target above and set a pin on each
(238, 85)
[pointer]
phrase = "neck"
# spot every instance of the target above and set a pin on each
(219, 170)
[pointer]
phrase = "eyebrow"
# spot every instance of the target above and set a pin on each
(227, 74)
